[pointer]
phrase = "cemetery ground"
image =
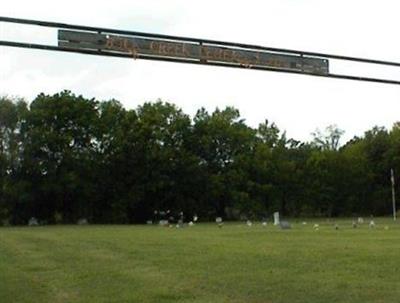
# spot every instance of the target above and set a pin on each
(203, 263)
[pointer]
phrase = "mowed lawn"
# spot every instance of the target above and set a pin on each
(201, 264)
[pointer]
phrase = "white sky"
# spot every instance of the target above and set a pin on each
(298, 104)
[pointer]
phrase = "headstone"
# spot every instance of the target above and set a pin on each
(372, 224)
(360, 220)
(149, 222)
(33, 222)
(264, 224)
(180, 222)
(285, 225)
(163, 223)
(276, 218)
(354, 224)
(195, 218)
(242, 217)
(191, 223)
(218, 220)
(82, 221)
(304, 223)
(249, 223)
(58, 217)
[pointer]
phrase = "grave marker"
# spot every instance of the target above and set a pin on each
(276, 218)
(33, 222)
(285, 225)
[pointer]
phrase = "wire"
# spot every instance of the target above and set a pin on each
(199, 41)
(203, 41)
(148, 57)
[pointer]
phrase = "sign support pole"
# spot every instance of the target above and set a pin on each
(393, 194)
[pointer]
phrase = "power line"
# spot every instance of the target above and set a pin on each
(120, 55)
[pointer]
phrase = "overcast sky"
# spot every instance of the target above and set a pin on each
(297, 104)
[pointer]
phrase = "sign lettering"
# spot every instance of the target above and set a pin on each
(191, 52)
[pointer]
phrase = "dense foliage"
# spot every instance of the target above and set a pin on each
(64, 157)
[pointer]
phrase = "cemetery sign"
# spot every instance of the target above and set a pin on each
(119, 43)
(139, 47)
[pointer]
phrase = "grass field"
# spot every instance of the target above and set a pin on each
(201, 264)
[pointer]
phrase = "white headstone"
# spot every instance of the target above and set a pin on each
(191, 223)
(249, 224)
(163, 222)
(276, 218)
(372, 224)
(82, 221)
(264, 224)
(33, 222)
(285, 225)
(360, 220)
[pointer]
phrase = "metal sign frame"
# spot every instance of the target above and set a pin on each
(319, 66)
(192, 52)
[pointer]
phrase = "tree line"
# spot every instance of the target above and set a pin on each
(65, 157)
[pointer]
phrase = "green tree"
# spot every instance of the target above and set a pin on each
(12, 113)
(59, 139)
(222, 139)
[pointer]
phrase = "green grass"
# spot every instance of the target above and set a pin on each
(201, 264)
